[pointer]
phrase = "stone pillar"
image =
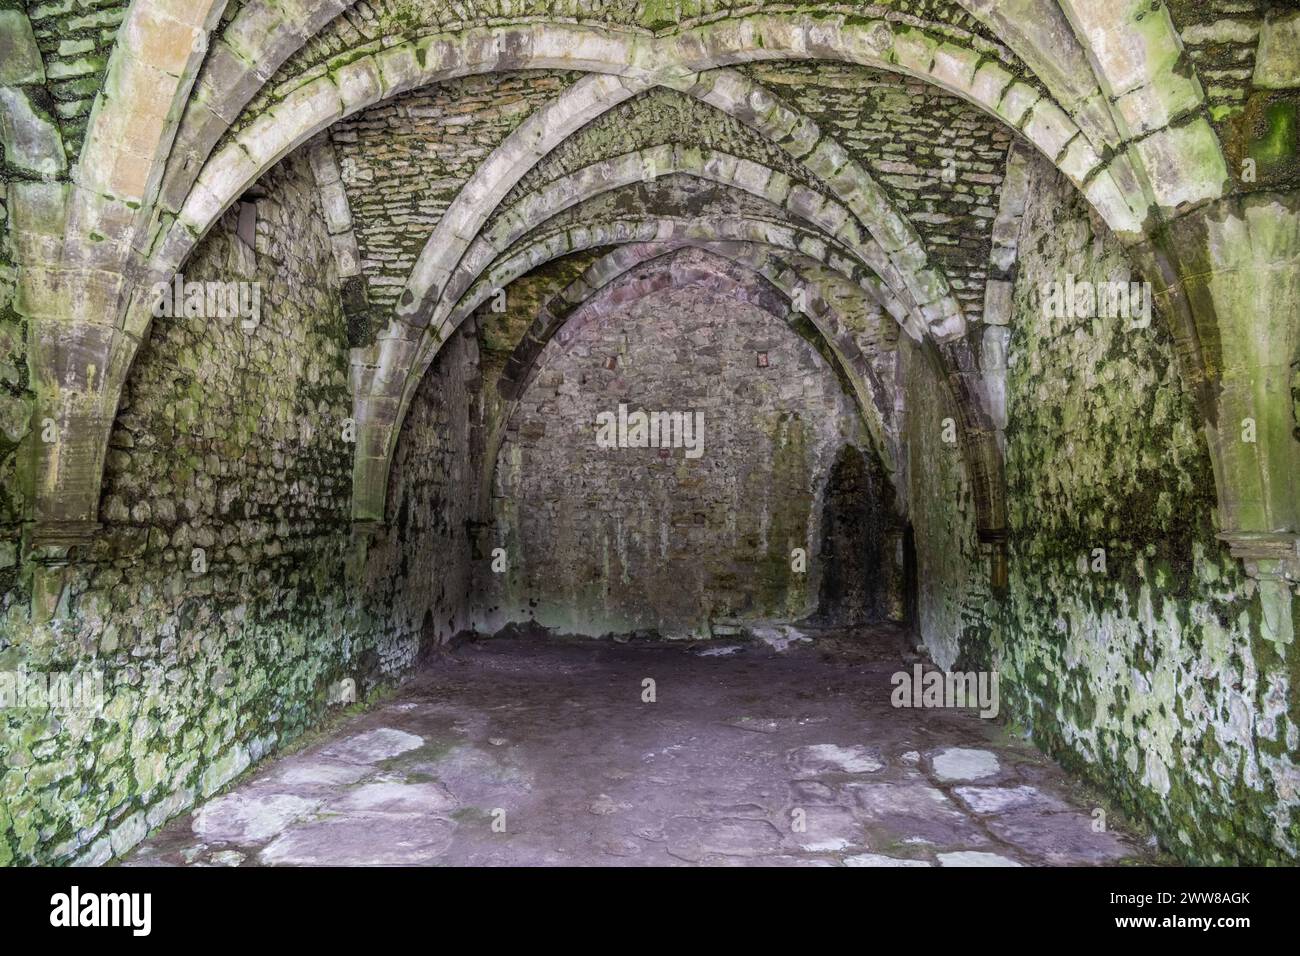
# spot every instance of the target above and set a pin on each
(77, 371)
(1229, 276)
(78, 359)
(377, 383)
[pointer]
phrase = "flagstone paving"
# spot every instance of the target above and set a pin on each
(543, 751)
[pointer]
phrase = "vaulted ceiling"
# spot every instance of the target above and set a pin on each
(852, 158)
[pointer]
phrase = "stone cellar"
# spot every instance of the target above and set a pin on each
(649, 432)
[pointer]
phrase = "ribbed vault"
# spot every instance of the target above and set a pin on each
(440, 197)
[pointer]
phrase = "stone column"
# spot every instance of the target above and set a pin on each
(1229, 276)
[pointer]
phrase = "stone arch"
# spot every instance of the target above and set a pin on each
(438, 277)
(379, 422)
(1158, 107)
(780, 281)
(1183, 157)
(1003, 254)
(745, 264)
(150, 74)
(646, 228)
(261, 38)
(382, 398)
(689, 61)
(757, 179)
(672, 59)
(1017, 103)
(240, 61)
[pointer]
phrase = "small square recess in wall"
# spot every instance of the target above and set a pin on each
(762, 360)
(611, 362)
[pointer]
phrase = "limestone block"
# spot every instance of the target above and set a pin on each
(887, 227)
(928, 285)
(772, 33)
(346, 255)
(914, 51)
(997, 302)
(954, 66)
(720, 167)
(38, 208)
(309, 16)
(31, 141)
(225, 177)
(1079, 160)
(827, 158)
(660, 159)
(1184, 163)
(359, 82)
(1277, 60)
(874, 256)
(399, 69)
(910, 258)
(227, 81)
(870, 43)
(848, 231)
(944, 325)
(478, 257)
(1133, 42)
(1016, 102)
(257, 34)
(778, 122)
(557, 46)
(812, 247)
(989, 84)
(778, 188)
(305, 111)
(20, 59)
(99, 230)
(334, 204)
(752, 177)
(167, 44)
(507, 229)
(1049, 128)
(1094, 117)
(324, 164)
(1109, 201)
(831, 217)
(993, 353)
(1154, 104)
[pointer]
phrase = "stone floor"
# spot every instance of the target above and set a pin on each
(519, 750)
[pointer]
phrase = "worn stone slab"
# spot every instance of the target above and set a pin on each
(1062, 839)
(430, 798)
(384, 840)
(693, 838)
(1001, 799)
(373, 746)
(318, 773)
(913, 813)
(833, 758)
(964, 763)
(250, 817)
